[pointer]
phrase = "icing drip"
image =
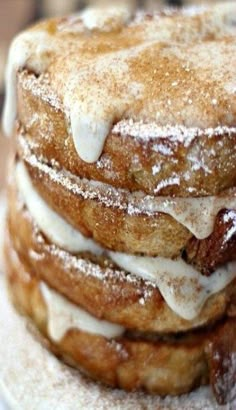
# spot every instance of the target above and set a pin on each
(89, 131)
(31, 48)
(53, 226)
(64, 316)
(184, 289)
(196, 214)
(136, 71)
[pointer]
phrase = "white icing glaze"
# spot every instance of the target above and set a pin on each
(64, 315)
(89, 130)
(51, 224)
(184, 289)
(29, 48)
(196, 214)
(91, 118)
(92, 78)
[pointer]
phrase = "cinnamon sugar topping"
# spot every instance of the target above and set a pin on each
(175, 71)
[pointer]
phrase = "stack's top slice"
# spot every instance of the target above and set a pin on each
(154, 94)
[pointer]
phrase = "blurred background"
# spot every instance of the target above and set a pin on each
(16, 14)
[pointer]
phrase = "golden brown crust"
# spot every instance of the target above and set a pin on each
(116, 229)
(205, 166)
(99, 286)
(216, 250)
(110, 226)
(125, 363)
(171, 366)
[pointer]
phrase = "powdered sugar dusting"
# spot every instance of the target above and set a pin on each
(170, 181)
(183, 288)
(86, 267)
(109, 276)
(222, 383)
(178, 133)
(163, 70)
(56, 385)
(50, 381)
(40, 87)
(196, 214)
(230, 216)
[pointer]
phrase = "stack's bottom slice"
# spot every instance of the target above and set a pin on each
(94, 316)
(50, 380)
